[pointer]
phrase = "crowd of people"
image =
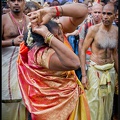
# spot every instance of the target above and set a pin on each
(60, 60)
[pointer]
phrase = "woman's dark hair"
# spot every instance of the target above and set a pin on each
(38, 39)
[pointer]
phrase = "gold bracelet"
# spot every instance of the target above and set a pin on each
(51, 40)
(61, 10)
(47, 40)
(48, 33)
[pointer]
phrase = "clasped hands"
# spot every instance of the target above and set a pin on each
(38, 19)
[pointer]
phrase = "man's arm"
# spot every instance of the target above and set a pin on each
(7, 42)
(75, 33)
(81, 30)
(115, 57)
(12, 41)
(88, 40)
(115, 52)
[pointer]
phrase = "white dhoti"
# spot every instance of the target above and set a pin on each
(12, 105)
(101, 79)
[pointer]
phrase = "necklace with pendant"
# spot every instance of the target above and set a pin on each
(18, 27)
(20, 21)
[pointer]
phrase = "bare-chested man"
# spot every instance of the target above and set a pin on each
(96, 18)
(101, 75)
(14, 24)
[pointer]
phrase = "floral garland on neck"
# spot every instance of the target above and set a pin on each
(29, 40)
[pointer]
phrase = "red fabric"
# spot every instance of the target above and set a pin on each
(88, 52)
(57, 11)
(98, 1)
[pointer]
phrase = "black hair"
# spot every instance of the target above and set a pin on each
(38, 39)
(32, 4)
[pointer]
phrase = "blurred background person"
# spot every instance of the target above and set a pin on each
(55, 3)
(31, 6)
(5, 7)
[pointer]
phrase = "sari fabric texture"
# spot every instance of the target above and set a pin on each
(101, 90)
(49, 95)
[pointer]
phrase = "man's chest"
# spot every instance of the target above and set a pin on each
(11, 30)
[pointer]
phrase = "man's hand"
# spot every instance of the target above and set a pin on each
(85, 82)
(76, 32)
(18, 40)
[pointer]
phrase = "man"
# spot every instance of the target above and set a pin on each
(14, 25)
(101, 75)
(96, 17)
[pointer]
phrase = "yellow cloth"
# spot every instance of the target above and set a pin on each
(101, 79)
(14, 111)
(81, 111)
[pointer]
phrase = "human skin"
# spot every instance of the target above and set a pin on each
(97, 18)
(42, 16)
(9, 29)
(97, 13)
(103, 39)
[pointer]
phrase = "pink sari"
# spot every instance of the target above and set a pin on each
(49, 95)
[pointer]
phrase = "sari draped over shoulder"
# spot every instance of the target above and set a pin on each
(49, 95)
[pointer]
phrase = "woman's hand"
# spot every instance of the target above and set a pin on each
(40, 17)
(42, 30)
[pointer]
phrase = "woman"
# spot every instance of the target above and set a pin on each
(48, 83)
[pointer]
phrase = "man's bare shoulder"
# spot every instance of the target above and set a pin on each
(4, 16)
(94, 28)
(115, 28)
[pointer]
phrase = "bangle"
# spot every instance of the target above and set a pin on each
(57, 11)
(50, 41)
(48, 38)
(48, 34)
(61, 11)
(13, 44)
